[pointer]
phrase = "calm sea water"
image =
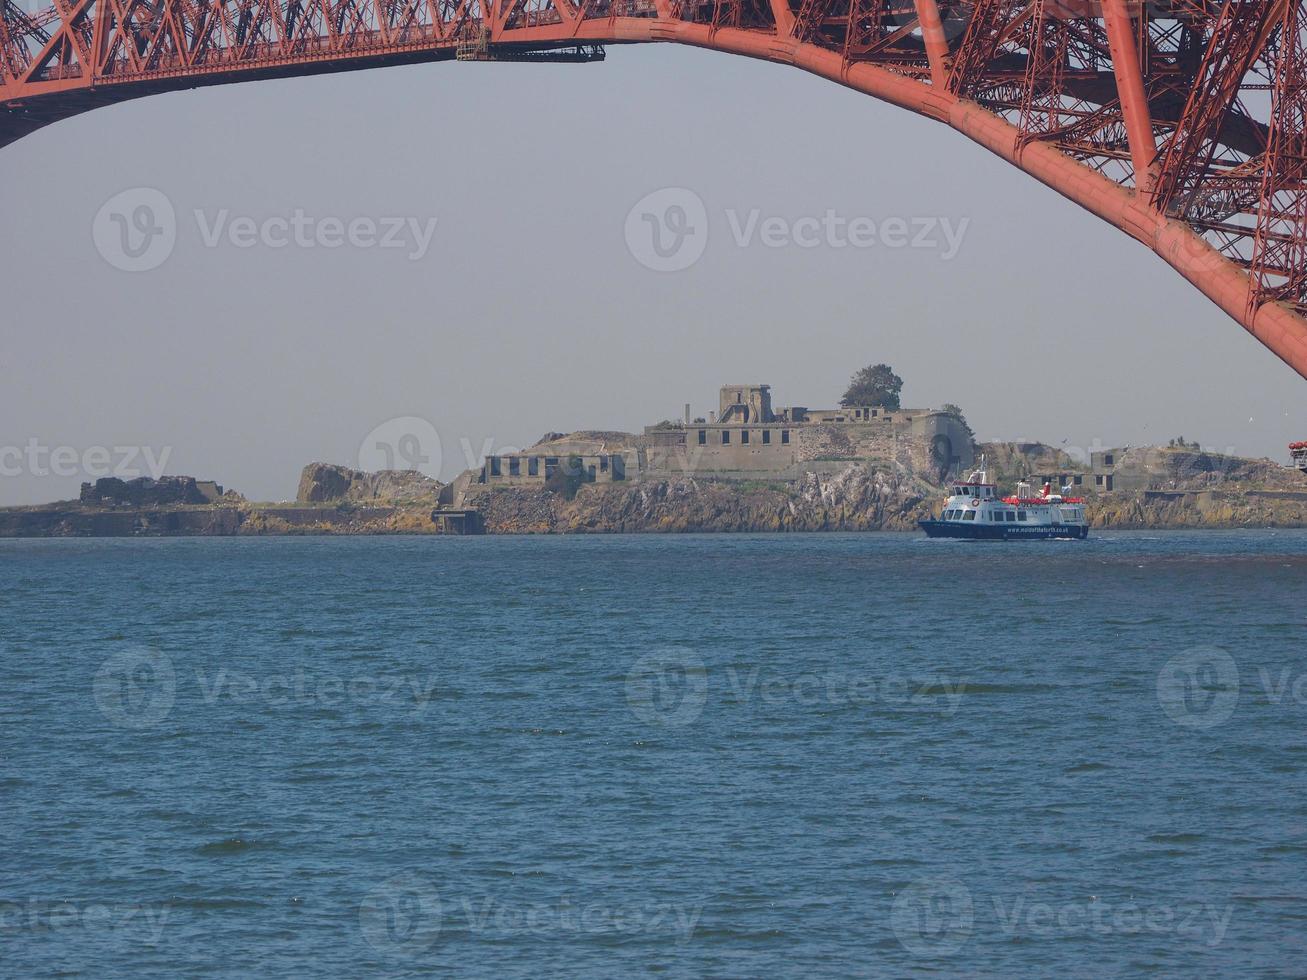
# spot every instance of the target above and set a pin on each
(730, 756)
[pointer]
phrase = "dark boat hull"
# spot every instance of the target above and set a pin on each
(975, 531)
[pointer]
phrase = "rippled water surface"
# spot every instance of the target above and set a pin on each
(731, 756)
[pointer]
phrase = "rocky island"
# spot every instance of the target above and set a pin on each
(865, 465)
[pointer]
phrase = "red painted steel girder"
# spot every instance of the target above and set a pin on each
(1144, 115)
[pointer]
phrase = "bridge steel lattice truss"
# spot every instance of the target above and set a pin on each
(1181, 122)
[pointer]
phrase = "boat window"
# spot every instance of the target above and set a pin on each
(1011, 515)
(969, 515)
(1021, 515)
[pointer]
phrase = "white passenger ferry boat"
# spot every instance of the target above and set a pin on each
(975, 510)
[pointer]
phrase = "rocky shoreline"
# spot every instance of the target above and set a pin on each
(858, 498)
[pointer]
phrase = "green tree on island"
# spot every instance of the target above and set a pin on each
(876, 386)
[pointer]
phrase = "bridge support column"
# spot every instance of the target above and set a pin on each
(1130, 89)
(932, 33)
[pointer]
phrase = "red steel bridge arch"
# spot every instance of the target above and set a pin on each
(1181, 122)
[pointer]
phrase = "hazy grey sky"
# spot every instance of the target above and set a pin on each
(528, 313)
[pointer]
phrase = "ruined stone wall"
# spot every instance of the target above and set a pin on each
(842, 441)
(931, 444)
(145, 492)
(672, 454)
